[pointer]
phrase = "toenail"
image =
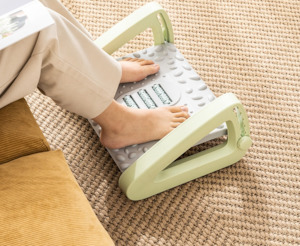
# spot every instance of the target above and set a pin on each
(184, 108)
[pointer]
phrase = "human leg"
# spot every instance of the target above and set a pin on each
(132, 69)
(122, 126)
(65, 65)
(59, 8)
(14, 61)
(81, 78)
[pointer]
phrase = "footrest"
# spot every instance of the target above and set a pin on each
(151, 168)
(175, 84)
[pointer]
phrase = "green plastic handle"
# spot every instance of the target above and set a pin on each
(150, 15)
(156, 170)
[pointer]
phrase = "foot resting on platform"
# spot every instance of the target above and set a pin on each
(123, 126)
(134, 69)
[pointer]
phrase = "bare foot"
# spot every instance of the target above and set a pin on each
(134, 69)
(123, 126)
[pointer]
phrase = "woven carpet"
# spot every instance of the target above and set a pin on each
(250, 48)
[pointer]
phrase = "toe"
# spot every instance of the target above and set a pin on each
(146, 62)
(127, 59)
(180, 109)
(182, 114)
(185, 109)
(175, 124)
(151, 69)
(176, 109)
(179, 120)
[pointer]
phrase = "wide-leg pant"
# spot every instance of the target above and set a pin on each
(63, 62)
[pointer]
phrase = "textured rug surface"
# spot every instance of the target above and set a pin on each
(250, 48)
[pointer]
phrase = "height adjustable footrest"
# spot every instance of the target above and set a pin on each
(152, 167)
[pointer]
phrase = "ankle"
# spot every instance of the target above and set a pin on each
(113, 117)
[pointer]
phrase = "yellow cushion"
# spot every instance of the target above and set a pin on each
(19, 133)
(42, 204)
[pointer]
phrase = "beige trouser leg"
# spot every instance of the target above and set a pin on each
(56, 6)
(62, 62)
